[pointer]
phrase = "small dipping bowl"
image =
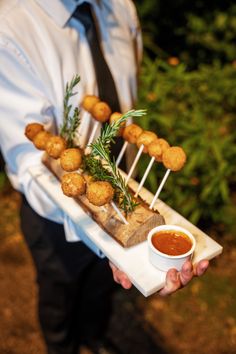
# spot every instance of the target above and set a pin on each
(164, 261)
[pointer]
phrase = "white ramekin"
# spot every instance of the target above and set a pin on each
(164, 261)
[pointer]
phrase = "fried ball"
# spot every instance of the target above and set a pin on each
(100, 193)
(157, 147)
(101, 111)
(89, 101)
(55, 146)
(174, 158)
(132, 132)
(73, 184)
(40, 140)
(71, 159)
(114, 118)
(145, 139)
(32, 129)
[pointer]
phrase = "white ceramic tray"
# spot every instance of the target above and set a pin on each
(133, 261)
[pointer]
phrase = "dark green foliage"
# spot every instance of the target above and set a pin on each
(196, 110)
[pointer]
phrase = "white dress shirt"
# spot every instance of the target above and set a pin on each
(41, 48)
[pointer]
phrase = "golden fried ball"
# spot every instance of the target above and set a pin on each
(89, 101)
(114, 118)
(55, 146)
(157, 147)
(145, 139)
(101, 111)
(32, 129)
(100, 193)
(40, 140)
(132, 132)
(174, 158)
(73, 184)
(71, 159)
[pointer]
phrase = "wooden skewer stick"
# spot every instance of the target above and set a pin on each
(145, 176)
(121, 154)
(91, 138)
(160, 188)
(134, 163)
(121, 216)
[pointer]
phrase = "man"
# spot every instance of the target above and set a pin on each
(43, 44)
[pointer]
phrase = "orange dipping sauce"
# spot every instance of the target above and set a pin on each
(172, 243)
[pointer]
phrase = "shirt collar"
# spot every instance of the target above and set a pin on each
(61, 10)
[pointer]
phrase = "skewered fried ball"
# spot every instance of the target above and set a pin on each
(145, 139)
(174, 158)
(89, 101)
(100, 193)
(132, 132)
(71, 159)
(32, 129)
(101, 111)
(40, 140)
(157, 147)
(114, 118)
(55, 146)
(73, 184)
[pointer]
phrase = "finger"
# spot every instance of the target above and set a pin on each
(172, 283)
(186, 274)
(120, 277)
(201, 267)
(113, 267)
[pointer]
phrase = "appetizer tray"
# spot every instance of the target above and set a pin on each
(133, 260)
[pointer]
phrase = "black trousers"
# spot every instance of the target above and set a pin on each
(74, 285)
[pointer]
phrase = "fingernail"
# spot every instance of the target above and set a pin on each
(174, 276)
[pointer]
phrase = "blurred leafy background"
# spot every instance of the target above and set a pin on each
(188, 85)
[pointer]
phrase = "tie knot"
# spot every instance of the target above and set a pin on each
(83, 13)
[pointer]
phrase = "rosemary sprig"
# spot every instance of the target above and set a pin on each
(110, 130)
(70, 122)
(101, 148)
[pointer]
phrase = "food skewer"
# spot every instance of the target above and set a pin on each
(173, 159)
(121, 216)
(160, 188)
(137, 157)
(91, 137)
(121, 154)
(155, 149)
(142, 141)
(145, 176)
(101, 112)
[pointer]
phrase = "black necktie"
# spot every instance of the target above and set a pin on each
(106, 86)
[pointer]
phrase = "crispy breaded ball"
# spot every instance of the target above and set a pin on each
(55, 146)
(101, 111)
(89, 101)
(71, 159)
(114, 118)
(132, 132)
(174, 158)
(40, 140)
(157, 147)
(100, 193)
(73, 184)
(145, 139)
(32, 129)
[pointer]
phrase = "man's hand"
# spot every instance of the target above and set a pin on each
(174, 279)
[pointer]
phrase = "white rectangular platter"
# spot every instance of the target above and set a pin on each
(134, 260)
